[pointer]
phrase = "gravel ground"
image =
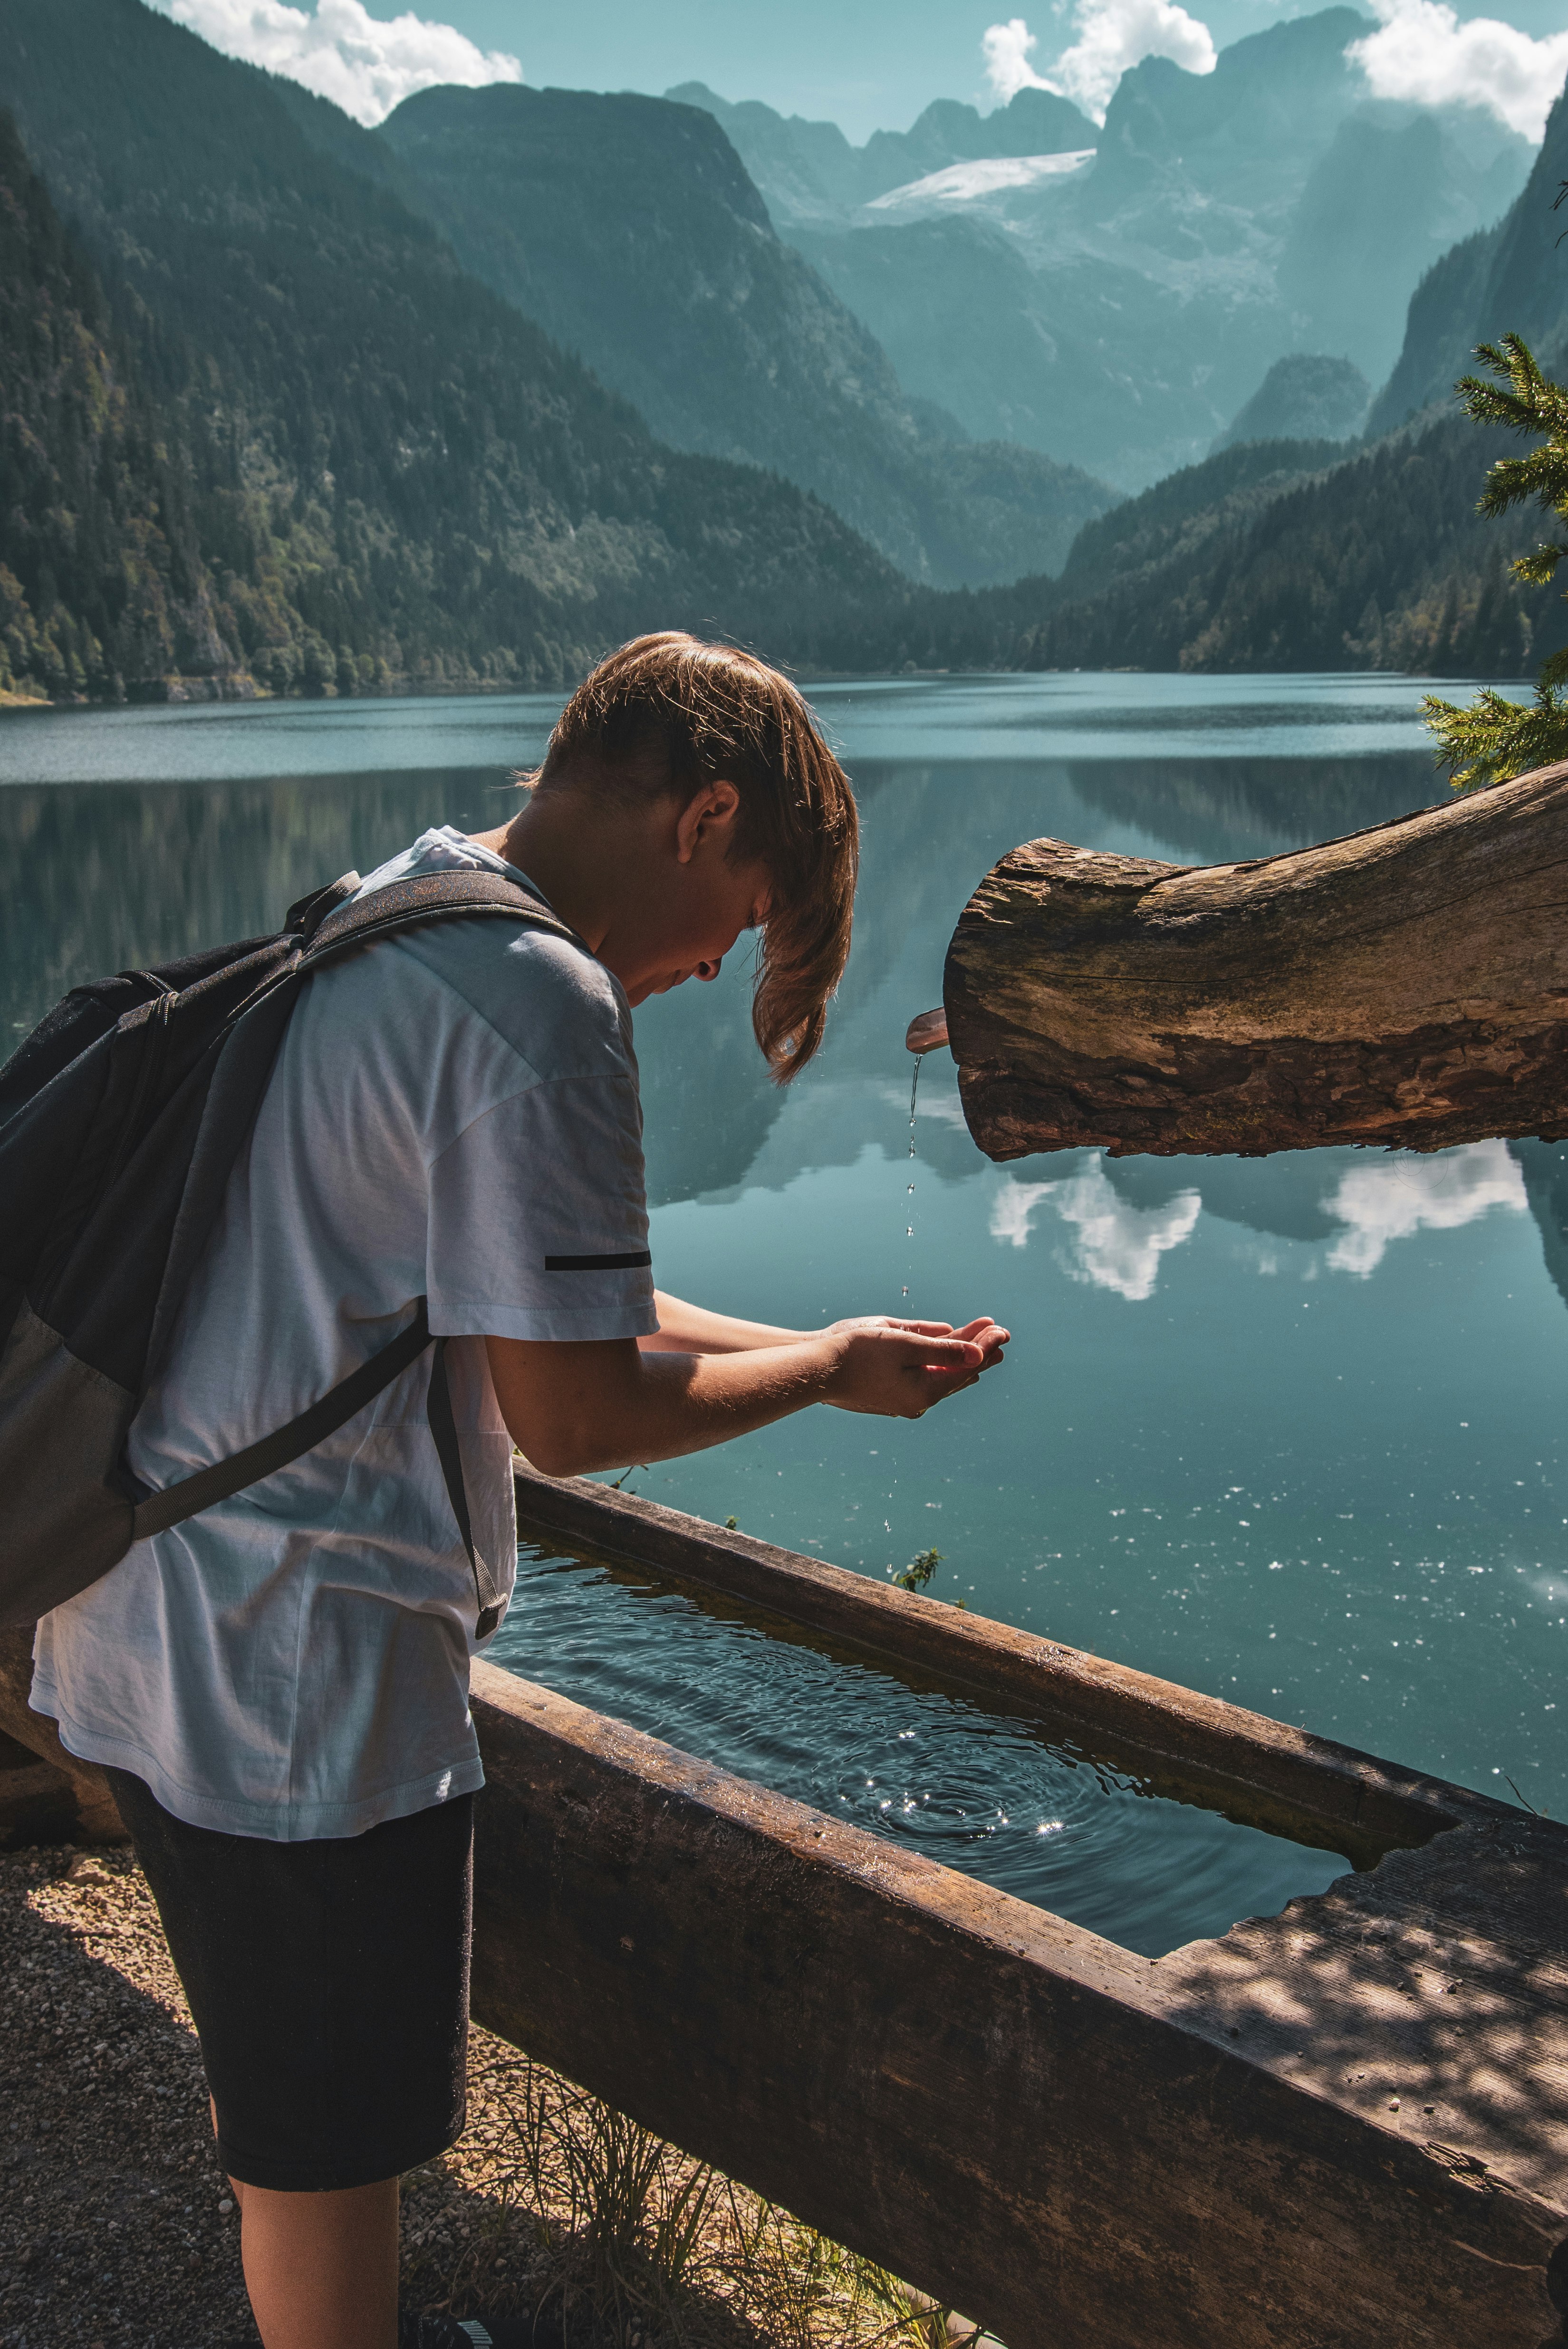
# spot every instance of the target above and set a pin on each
(110, 2230)
(116, 2230)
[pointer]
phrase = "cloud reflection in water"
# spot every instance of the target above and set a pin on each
(1391, 1198)
(1116, 1244)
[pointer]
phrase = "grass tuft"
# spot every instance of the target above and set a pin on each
(635, 2245)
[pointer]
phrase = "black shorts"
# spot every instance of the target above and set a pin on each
(329, 1984)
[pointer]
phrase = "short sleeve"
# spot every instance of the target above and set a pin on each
(538, 1218)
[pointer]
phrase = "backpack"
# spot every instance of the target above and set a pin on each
(122, 1116)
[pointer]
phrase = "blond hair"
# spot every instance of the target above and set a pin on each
(666, 714)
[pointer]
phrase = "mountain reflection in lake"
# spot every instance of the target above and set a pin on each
(1285, 1430)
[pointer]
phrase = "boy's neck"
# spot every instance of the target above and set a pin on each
(567, 856)
(650, 887)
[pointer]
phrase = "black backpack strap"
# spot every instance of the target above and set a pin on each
(444, 1428)
(307, 914)
(429, 897)
(175, 1503)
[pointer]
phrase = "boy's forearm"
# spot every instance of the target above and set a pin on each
(692, 1329)
(686, 1402)
(574, 1405)
(650, 1405)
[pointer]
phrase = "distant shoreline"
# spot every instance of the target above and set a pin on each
(209, 693)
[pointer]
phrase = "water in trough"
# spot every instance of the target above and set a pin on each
(1288, 1430)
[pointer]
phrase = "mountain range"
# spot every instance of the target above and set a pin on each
(385, 470)
(809, 173)
(1275, 555)
(1114, 307)
(291, 405)
(628, 228)
(1304, 396)
(1510, 277)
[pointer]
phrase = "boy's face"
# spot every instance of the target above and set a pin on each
(691, 901)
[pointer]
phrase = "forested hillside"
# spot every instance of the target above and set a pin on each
(1511, 279)
(259, 429)
(1378, 560)
(388, 471)
(101, 575)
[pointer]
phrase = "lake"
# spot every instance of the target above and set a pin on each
(1289, 1431)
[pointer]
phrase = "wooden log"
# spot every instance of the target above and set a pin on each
(1343, 2130)
(1405, 985)
(1343, 2127)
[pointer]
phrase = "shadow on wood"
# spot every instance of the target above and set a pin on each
(1344, 2127)
(1406, 985)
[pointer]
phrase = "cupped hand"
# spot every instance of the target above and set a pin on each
(985, 1331)
(899, 1370)
(988, 1335)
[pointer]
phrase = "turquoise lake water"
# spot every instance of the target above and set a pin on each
(1289, 1431)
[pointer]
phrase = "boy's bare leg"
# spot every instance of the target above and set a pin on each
(321, 2269)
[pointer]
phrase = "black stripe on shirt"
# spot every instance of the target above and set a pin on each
(632, 1261)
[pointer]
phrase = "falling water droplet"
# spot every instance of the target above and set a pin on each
(913, 1093)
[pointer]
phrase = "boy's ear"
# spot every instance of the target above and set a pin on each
(711, 810)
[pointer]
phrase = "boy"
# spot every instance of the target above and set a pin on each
(278, 1687)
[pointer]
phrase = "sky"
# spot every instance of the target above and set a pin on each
(868, 65)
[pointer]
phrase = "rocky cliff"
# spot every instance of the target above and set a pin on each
(629, 229)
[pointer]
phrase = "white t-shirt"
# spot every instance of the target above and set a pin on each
(451, 1114)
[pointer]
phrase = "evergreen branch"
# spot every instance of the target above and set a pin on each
(1522, 398)
(1513, 480)
(1488, 403)
(1495, 738)
(1539, 570)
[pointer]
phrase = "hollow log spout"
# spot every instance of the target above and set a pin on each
(1406, 985)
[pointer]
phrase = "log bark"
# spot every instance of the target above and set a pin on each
(1342, 2128)
(1406, 985)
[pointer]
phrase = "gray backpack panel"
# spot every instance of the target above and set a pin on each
(121, 1117)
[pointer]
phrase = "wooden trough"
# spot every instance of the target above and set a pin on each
(1406, 985)
(1343, 2127)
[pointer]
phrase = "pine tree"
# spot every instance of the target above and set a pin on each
(1495, 737)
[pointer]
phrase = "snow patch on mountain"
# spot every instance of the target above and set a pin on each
(966, 183)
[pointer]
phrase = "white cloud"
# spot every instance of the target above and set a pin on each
(1422, 53)
(1112, 35)
(365, 63)
(1006, 50)
(1115, 1245)
(1392, 1199)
